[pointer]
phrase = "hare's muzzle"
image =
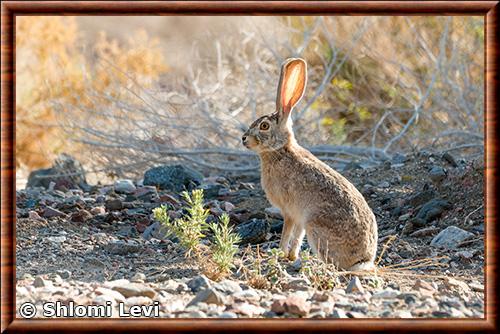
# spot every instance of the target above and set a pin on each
(244, 139)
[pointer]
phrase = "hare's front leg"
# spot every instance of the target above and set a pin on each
(286, 235)
(298, 234)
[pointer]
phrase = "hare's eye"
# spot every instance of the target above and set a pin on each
(264, 126)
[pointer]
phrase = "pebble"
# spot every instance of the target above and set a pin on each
(209, 296)
(451, 237)
(114, 204)
(228, 287)
(128, 289)
(50, 212)
(40, 282)
(124, 186)
(355, 286)
(199, 283)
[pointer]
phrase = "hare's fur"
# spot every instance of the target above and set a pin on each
(315, 200)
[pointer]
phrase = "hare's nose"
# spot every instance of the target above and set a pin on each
(244, 139)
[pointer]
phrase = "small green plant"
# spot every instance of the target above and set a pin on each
(323, 276)
(189, 230)
(275, 272)
(224, 246)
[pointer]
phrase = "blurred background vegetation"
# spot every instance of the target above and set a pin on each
(124, 93)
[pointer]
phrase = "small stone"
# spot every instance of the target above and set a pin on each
(64, 274)
(228, 206)
(128, 289)
(81, 216)
(39, 282)
(385, 294)
(121, 247)
(139, 277)
(247, 309)
(454, 283)
(339, 313)
(293, 304)
(228, 287)
(198, 283)
(33, 215)
(451, 237)
(433, 209)
(57, 239)
(193, 314)
(114, 204)
(98, 210)
(355, 286)
(402, 314)
(166, 198)
(124, 186)
(424, 288)
(174, 177)
(138, 300)
(384, 184)
(253, 232)
(467, 255)
(477, 287)
(228, 314)
(110, 293)
(450, 159)
(50, 212)
(437, 174)
(247, 295)
(209, 296)
(424, 232)
(297, 283)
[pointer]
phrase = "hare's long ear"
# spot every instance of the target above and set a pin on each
(291, 85)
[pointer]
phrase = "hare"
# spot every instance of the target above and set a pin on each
(315, 200)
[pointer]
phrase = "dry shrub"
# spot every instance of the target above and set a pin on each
(53, 66)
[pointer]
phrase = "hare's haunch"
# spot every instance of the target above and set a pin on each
(315, 200)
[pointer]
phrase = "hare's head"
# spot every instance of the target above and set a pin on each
(274, 131)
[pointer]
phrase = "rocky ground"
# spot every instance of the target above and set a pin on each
(100, 244)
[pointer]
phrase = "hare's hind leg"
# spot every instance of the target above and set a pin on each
(286, 235)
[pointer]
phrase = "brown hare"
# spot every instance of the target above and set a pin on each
(314, 199)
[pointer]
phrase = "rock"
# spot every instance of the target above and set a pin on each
(399, 158)
(247, 295)
(198, 283)
(228, 314)
(175, 178)
(114, 204)
(449, 159)
(437, 174)
(355, 286)
(273, 212)
(128, 289)
(121, 247)
(193, 314)
(297, 283)
(339, 313)
(124, 186)
(139, 277)
(247, 309)
(228, 287)
(478, 287)
(64, 274)
(50, 212)
(293, 304)
(39, 282)
(98, 210)
(57, 239)
(402, 314)
(155, 230)
(456, 284)
(33, 215)
(81, 216)
(433, 209)
(111, 293)
(209, 296)
(420, 198)
(385, 294)
(253, 232)
(450, 237)
(466, 255)
(228, 206)
(66, 172)
(384, 184)
(424, 288)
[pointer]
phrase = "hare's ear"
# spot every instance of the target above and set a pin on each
(291, 85)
